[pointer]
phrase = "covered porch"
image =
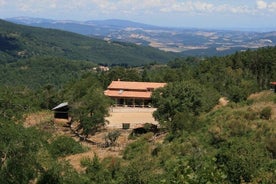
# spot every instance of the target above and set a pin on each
(132, 102)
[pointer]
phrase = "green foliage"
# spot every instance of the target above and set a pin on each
(182, 97)
(138, 172)
(37, 72)
(17, 101)
(18, 151)
(63, 145)
(111, 137)
(123, 74)
(96, 172)
(89, 105)
(266, 113)
(179, 170)
(184, 121)
(240, 160)
(59, 173)
(270, 145)
(136, 148)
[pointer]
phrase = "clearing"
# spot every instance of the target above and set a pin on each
(136, 117)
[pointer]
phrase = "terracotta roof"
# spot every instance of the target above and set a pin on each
(127, 85)
(273, 83)
(128, 94)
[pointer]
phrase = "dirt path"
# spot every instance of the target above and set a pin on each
(116, 151)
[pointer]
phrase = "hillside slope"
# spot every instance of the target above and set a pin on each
(185, 41)
(18, 41)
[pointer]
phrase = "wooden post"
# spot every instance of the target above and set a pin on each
(116, 102)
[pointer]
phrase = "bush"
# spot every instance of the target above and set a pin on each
(266, 113)
(271, 146)
(242, 160)
(250, 114)
(135, 149)
(63, 145)
(111, 137)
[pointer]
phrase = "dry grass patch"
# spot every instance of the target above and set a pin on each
(36, 118)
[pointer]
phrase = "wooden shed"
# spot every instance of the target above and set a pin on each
(61, 111)
(273, 86)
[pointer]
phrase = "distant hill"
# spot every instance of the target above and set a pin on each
(187, 41)
(20, 41)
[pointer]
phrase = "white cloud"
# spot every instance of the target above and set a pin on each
(145, 6)
(272, 7)
(203, 7)
(35, 6)
(140, 8)
(261, 4)
(2, 2)
(53, 4)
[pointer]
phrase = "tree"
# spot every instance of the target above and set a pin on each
(96, 172)
(183, 97)
(124, 74)
(18, 151)
(242, 160)
(89, 105)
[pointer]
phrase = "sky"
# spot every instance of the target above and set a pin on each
(170, 13)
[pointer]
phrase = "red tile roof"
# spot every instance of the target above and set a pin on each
(273, 83)
(127, 85)
(129, 89)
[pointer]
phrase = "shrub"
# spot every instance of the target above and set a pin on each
(266, 113)
(63, 145)
(242, 160)
(249, 101)
(111, 137)
(271, 146)
(250, 114)
(136, 148)
(238, 127)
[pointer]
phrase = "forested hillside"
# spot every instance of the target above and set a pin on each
(18, 41)
(38, 72)
(198, 141)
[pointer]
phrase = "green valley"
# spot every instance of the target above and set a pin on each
(18, 41)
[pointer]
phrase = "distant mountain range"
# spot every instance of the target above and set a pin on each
(195, 42)
(21, 41)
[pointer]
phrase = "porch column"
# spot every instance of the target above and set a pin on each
(116, 102)
(143, 103)
(133, 102)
